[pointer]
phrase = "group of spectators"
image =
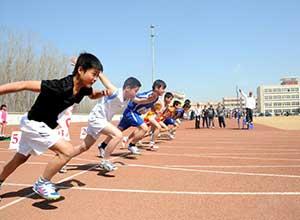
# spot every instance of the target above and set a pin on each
(207, 116)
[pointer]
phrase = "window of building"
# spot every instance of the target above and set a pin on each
(277, 90)
(285, 90)
(268, 104)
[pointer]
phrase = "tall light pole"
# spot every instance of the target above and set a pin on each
(152, 35)
(237, 96)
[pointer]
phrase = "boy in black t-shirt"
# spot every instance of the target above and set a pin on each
(37, 126)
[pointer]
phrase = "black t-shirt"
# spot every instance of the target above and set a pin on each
(55, 96)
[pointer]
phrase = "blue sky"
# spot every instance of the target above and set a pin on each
(203, 48)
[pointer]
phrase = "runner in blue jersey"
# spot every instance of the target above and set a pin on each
(132, 114)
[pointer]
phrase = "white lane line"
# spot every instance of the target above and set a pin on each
(281, 151)
(169, 192)
(250, 153)
(226, 157)
(231, 148)
(236, 166)
(90, 160)
(65, 179)
(180, 166)
(215, 171)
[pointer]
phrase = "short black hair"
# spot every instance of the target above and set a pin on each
(159, 83)
(186, 106)
(87, 61)
(168, 95)
(187, 101)
(132, 82)
(176, 102)
(2, 106)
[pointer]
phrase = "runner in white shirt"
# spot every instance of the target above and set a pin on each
(99, 121)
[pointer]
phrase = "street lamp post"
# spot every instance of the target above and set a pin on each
(152, 35)
(237, 96)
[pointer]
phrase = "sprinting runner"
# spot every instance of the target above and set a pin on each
(99, 121)
(132, 115)
(38, 125)
(153, 119)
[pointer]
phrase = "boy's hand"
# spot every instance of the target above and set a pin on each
(152, 96)
(106, 92)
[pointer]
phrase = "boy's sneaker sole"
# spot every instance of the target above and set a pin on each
(135, 153)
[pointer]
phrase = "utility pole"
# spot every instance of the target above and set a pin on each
(152, 35)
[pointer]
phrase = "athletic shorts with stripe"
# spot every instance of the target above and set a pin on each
(130, 119)
(169, 121)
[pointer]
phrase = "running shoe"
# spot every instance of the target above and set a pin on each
(45, 189)
(134, 150)
(108, 166)
(153, 146)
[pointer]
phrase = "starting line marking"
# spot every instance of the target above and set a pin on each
(215, 171)
(226, 157)
(169, 192)
(234, 166)
(180, 166)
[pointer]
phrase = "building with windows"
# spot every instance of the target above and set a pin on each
(232, 103)
(278, 99)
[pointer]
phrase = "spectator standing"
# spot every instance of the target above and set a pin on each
(204, 117)
(211, 115)
(3, 119)
(197, 116)
(221, 115)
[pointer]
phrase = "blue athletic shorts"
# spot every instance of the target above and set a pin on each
(169, 121)
(130, 119)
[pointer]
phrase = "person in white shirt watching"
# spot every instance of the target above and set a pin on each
(250, 104)
(198, 112)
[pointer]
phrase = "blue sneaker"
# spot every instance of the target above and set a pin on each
(45, 189)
